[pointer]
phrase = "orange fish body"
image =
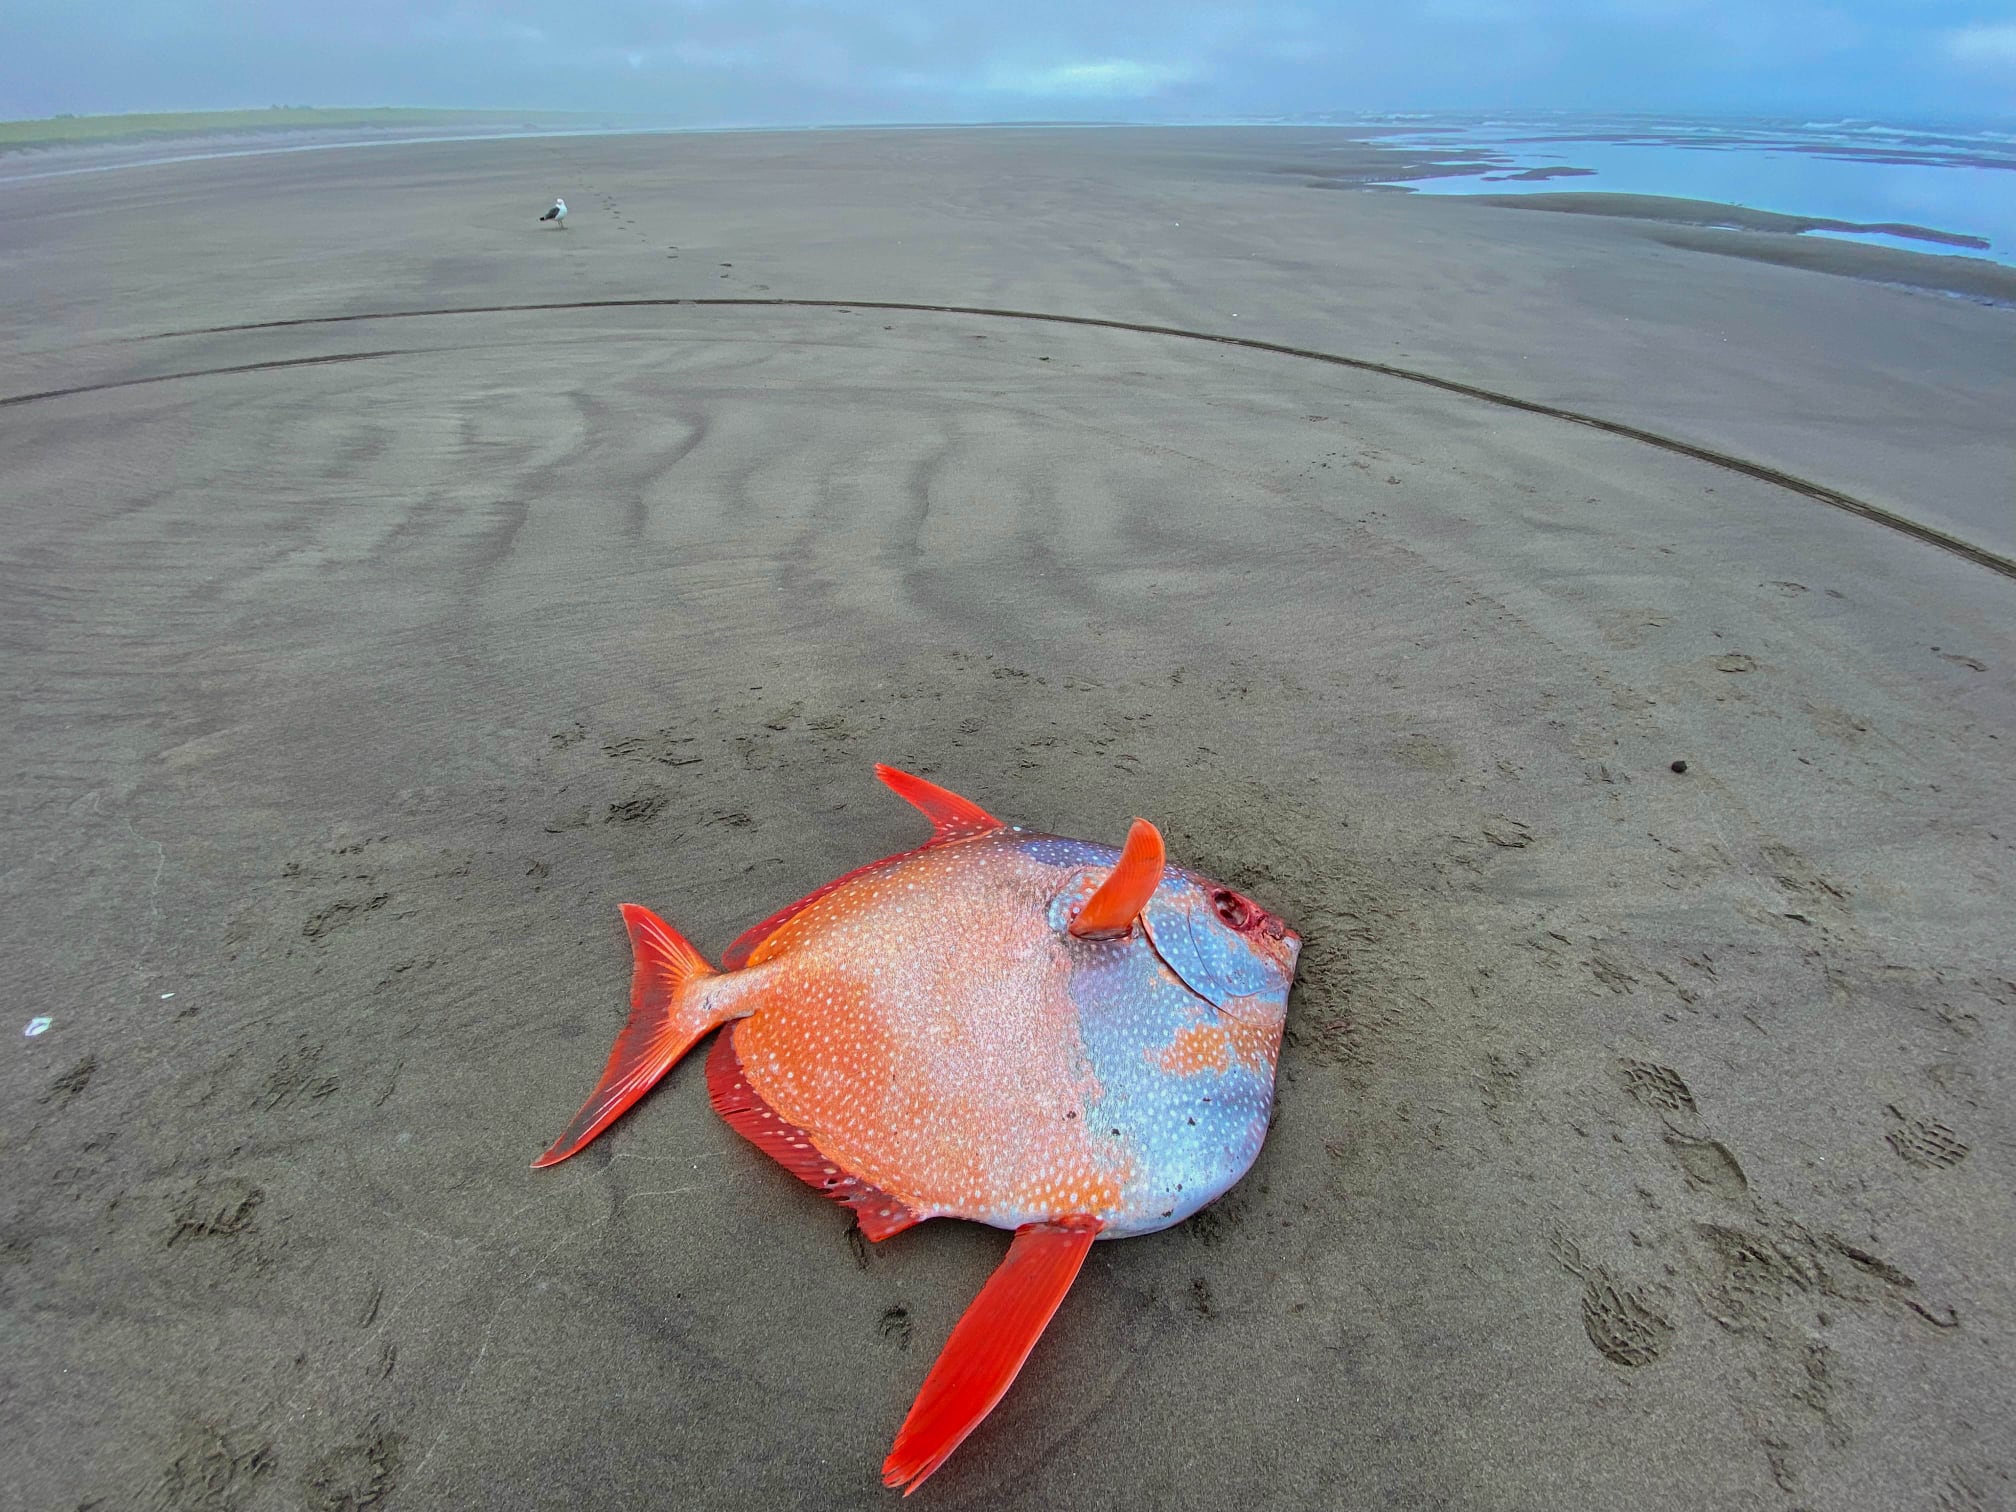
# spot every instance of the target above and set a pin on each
(1036, 1033)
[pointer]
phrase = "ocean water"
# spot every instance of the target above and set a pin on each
(1960, 180)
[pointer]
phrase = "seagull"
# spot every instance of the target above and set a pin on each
(558, 214)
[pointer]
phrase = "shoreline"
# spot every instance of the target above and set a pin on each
(46, 132)
(1719, 214)
(1769, 236)
(1387, 168)
(1726, 229)
(1393, 168)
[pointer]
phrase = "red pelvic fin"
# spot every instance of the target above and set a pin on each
(1111, 911)
(665, 1022)
(879, 1214)
(988, 1345)
(953, 817)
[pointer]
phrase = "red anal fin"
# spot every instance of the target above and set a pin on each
(988, 1345)
(952, 818)
(665, 1022)
(1111, 911)
(879, 1214)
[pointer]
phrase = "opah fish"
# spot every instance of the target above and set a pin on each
(1041, 1034)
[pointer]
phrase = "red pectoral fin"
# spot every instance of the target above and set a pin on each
(988, 1345)
(953, 817)
(1111, 911)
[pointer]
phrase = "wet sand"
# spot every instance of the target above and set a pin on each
(1644, 1136)
(1694, 212)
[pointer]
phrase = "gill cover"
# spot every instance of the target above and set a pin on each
(1215, 961)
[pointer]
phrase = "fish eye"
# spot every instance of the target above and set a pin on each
(1231, 908)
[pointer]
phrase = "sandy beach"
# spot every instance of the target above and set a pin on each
(394, 585)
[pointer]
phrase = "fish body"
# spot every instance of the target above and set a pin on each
(948, 1041)
(1047, 1035)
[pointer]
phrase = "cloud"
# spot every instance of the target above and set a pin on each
(1992, 46)
(1111, 79)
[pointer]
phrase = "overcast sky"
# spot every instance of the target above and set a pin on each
(787, 62)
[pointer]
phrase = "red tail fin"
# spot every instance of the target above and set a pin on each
(665, 1022)
(988, 1345)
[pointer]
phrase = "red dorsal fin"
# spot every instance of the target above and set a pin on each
(988, 1345)
(879, 1214)
(1111, 911)
(953, 817)
(665, 1022)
